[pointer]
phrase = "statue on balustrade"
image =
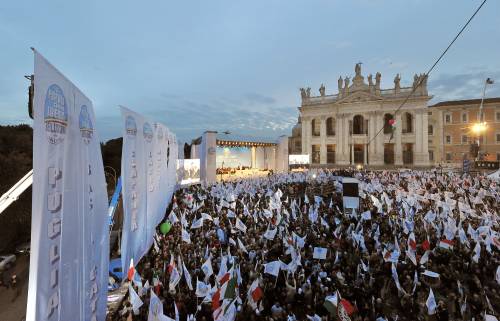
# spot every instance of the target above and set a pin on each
(303, 94)
(308, 92)
(397, 85)
(357, 69)
(322, 90)
(346, 85)
(377, 82)
(340, 84)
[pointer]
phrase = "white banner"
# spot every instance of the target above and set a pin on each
(149, 156)
(69, 235)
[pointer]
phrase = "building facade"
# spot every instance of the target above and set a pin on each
(355, 125)
(453, 134)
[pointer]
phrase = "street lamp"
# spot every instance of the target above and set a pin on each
(480, 127)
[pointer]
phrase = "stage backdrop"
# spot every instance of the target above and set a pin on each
(69, 234)
(234, 157)
(149, 159)
(188, 171)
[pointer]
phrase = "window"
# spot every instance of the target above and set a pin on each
(315, 127)
(447, 118)
(448, 139)
(315, 154)
(387, 125)
(498, 138)
(448, 156)
(358, 125)
(330, 126)
(407, 123)
(497, 116)
(330, 154)
(498, 157)
(431, 155)
(464, 117)
(430, 130)
(465, 139)
(429, 113)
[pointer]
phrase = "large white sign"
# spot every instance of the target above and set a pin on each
(298, 159)
(149, 156)
(69, 234)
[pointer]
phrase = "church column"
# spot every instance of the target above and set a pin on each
(421, 138)
(352, 154)
(365, 156)
(322, 148)
(306, 140)
(339, 135)
(379, 140)
(372, 124)
(398, 150)
(303, 138)
(425, 138)
(347, 147)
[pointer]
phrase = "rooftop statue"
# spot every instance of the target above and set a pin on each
(303, 93)
(322, 90)
(357, 69)
(397, 81)
(340, 84)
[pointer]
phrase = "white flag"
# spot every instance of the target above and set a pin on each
(477, 252)
(240, 226)
(155, 309)
(272, 268)
(187, 276)
(320, 253)
(135, 300)
(202, 289)
(197, 223)
(175, 277)
(431, 303)
(270, 234)
(207, 268)
(173, 218)
(185, 236)
(242, 247)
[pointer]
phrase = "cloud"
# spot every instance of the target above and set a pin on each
(250, 114)
(467, 85)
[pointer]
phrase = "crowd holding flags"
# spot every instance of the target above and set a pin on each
(259, 234)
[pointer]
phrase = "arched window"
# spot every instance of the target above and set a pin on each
(430, 130)
(315, 127)
(358, 125)
(387, 125)
(407, 126)
(330, 126)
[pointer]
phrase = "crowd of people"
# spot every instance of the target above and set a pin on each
(423, 245)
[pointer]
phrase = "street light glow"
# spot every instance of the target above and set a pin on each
(478, 128)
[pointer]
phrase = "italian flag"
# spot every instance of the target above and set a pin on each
(331, 303)
(171, 265)
(254, 294)
(131, 270)
(446, 244)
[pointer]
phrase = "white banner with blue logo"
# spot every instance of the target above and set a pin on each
(148, 179)
(69, 235)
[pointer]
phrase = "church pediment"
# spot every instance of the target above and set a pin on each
(359, 96)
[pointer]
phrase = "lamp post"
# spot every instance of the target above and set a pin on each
(480, 126)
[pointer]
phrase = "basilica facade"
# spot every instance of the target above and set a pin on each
(358, 124)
